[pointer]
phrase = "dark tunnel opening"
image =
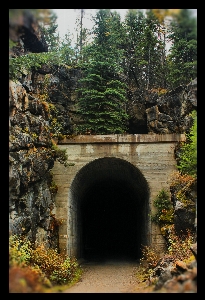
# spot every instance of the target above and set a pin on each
(111, 198)
(110, 222)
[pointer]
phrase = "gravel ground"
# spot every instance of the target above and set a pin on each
(110, 276)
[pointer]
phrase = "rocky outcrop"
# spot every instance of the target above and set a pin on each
(61, 92)
(170, 112)
(31, 199)
(31, 158)
(175, 276)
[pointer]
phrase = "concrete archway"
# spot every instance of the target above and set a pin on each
(109, 208)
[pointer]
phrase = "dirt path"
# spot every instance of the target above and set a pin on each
(110, 276)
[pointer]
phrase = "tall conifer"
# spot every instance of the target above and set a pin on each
(102, 95)
(182, 61)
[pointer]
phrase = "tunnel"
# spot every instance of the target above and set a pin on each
(110, 205)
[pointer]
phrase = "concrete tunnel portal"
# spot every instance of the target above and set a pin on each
(109, 198)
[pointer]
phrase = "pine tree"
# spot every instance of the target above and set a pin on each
(102, 95)
(144, 55)
(182, 61)
(66, 51)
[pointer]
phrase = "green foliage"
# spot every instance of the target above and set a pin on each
(188, 152)
(55, 126)
(182, 59)
(102, 95)
(165, 213)
(144, 50)
(66, 52)
(20, 251)
(31, 61)
(150, 256)
(60, 269)
(34, 265)
(60, 154)
(12, 44)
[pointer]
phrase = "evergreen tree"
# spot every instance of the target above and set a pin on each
(153, 46)
(143, 63)
(182, 61)
(133, 55)
(83, 35)
(188, 152)
(66, 51)
(102, 95)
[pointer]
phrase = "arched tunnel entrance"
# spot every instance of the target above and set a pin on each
(110, 200)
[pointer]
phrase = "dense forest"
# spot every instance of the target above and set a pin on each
(154, 51)
(148, 52)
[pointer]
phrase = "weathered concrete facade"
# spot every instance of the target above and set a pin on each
(141, 164)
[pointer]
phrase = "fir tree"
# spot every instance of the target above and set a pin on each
(182, 61)
(102, 95)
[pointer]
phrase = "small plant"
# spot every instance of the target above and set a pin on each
(178, 245)
(55, 223)
(60, 155)
(53, 187)
(19, 251)
(33, 268)
(150, 256)
(60, 269)
(165, 212)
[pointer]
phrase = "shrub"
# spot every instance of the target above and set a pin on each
(60, 269)
(30, 267)
(19, 250)
(165, 212)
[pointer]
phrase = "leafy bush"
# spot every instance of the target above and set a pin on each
(30, 267)
(25, 63)
(20, 251)
(60, 269)
(165, 212)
